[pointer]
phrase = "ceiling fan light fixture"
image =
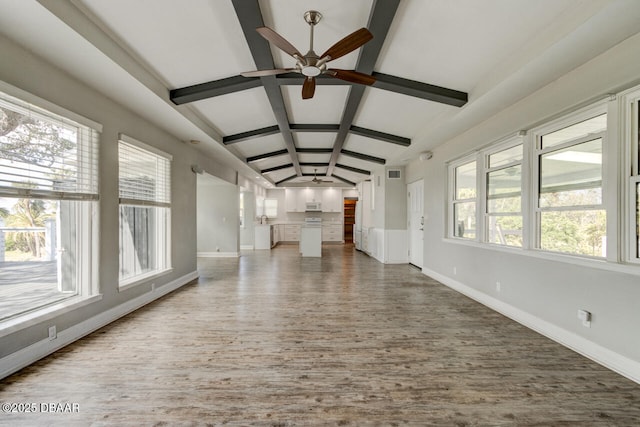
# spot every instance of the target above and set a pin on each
(311, 71)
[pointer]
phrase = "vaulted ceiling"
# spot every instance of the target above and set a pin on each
(440, 67)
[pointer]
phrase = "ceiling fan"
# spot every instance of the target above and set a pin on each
(316, 180)
(312, 65)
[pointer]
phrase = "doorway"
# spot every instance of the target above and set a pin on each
(349, 219)
(415, 222)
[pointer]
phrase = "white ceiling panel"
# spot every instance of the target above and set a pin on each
(349, 176)
(256, 146)
(315, 139)
(356, 163)
(237, 112)
(281, 174)
(339, 19)
(455, 43)
(185, 43)
(271, 162)
(325, 107)
(370, 146)
(314, 169)
(314, 157)
(397, 114)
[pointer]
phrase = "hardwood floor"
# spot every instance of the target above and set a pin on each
(276, 340)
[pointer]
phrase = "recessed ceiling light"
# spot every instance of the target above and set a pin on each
(194, 141)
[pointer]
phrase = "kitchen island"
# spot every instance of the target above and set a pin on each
(311, 241)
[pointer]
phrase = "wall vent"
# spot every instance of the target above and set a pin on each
(393, 174)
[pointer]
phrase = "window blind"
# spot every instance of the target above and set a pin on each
(144, 176)
(45, 155)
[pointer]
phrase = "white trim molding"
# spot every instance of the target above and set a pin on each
(610, 359)
(28, 355)
(218, 254)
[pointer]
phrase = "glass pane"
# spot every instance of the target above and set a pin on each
(505, 230)
(37, 253)
(466, 181)
(507, 156)
(271, 208)
(593, 125)
(143, 232)
(574, 232)
(44, 152)
(464, 217)
(504, 190)
(572, 176)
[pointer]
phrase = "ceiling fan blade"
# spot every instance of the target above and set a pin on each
(352, 76)
(348, 44)
(308, 87)
(261, 73)
(278, 40)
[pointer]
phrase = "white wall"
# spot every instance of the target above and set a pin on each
(544, 293)
(218, 217)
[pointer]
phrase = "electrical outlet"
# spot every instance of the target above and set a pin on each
(53, 334)
(498, 286)
(585, 316)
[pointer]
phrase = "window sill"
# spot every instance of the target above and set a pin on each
(142, 279)
(589, 262)
(43, 314)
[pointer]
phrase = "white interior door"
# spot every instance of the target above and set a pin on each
(415, 220)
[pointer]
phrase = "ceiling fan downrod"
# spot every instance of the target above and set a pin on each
(312, 67)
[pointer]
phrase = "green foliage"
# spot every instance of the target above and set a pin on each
(27, 213)
(29, 140)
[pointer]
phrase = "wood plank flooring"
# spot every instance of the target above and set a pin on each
(271, 339)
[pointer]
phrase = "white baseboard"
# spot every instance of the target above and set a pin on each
(218, 254)
(28, 355)
(246, 247)
(616, 362)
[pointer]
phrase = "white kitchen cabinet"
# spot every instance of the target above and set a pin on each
(332, 233)
(291, 233)
(296, 199)
(292, 200)
(332, 200)
(262, 237)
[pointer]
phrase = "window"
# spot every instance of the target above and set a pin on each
(570, 213)
(241, 210)
(48, 194)
(503, 222)
(271, 208)
(145, 200)
(463, 204)
(631, 114)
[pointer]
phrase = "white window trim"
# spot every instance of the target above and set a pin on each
(628, 105)
(451, 197)
(87, 244)
(536, 150)
(617, 186)
(134, 281)
(496, 147)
